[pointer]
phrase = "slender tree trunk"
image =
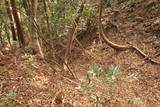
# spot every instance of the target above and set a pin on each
(7, 34)
(1, 39)
(71, 36)
(33, 20)
(11, 21)
(47, 16)
(18, 24)
(72, 31)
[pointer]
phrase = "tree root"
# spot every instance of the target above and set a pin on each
(116, 46)
(144, 55)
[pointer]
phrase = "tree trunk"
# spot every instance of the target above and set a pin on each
(1, 39)
(7, 34)
(18, 24)
(11, 21)
(33, 27)
(71, 36)
(47, 15)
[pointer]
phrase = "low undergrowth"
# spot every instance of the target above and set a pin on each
(102, 85)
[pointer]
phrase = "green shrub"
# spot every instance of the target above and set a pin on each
(9, 100)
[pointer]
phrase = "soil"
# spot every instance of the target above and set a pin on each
(39, 83)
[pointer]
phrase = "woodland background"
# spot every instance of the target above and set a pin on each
(80, 53)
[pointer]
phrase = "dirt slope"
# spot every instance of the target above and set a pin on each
(39, 84)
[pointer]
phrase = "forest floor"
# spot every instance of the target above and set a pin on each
(37, 83)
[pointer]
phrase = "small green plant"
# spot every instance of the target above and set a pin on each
(30, 61)
(131, 4)
(97, 99)
(154, 38)
(134, 100)
(9, 100)
(101, 84)
(15, 44)
(107, 3)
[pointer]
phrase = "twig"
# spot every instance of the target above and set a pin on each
(70, 80)
(73, 74)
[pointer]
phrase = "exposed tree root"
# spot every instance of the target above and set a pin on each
(103, 36)
(144, 55)
(116, 46)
